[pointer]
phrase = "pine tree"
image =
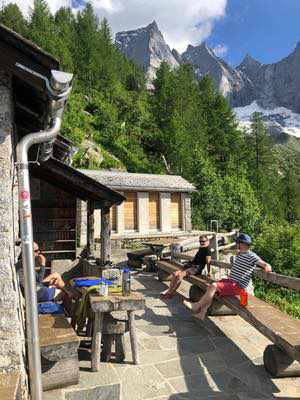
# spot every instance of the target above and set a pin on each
(86, 57)
(65, 38)
(41, 27)
(12, 17)
(224, 139)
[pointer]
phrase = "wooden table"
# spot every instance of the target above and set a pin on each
(107, 304)
(158, 246)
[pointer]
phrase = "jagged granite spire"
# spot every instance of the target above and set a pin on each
(205, 62)
(147, 47)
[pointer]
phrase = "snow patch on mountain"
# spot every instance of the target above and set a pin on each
(279, 119)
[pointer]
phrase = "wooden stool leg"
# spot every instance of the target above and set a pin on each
(89, 327)
(120, 348)
(107, 341)
(96, 344)
(133, 337)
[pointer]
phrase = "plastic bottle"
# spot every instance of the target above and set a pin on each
(126, 282)
(243, 298)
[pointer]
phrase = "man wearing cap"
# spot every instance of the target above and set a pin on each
(239, 278)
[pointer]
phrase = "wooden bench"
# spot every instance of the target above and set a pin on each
(280, 359)
(136, 258)
(59, 352)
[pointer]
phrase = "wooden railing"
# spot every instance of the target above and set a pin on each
(288, 282)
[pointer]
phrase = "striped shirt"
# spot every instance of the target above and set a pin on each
(243, 267)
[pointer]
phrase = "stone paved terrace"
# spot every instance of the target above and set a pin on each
(183, 359)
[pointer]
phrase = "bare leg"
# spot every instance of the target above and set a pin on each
(202, 306)
(175, 283)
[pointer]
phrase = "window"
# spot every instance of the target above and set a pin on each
(130, 211)
(176, 211)
(154, 211)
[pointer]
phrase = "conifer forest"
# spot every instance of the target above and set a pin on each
(180, 126)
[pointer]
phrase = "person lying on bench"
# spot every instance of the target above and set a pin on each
(194, 267)
(239, 278)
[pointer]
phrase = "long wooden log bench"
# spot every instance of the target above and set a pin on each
(59, 352)
(282, 358)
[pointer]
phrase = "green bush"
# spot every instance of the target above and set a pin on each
(280, 246)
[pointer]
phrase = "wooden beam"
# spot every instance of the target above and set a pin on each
(90, 229)
(288, 282)
(281, 280)
(105, 235)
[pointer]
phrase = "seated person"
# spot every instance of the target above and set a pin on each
(194, 267)
(44, 292)
(239, 278)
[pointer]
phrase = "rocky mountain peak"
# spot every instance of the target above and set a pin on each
(146, 46)
(177, 56)
(249, 67)
(248, 60)
(152, 26)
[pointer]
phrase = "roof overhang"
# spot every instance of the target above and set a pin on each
(74, 182)
(16, 49)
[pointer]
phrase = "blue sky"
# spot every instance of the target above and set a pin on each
(267, 29)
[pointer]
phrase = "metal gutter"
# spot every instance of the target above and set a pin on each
(58, 90)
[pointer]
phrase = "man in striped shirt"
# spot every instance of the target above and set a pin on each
(239, 278)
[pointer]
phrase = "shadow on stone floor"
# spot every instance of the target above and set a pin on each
(211, 365)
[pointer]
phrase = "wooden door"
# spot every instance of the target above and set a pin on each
(154, 211)
(130, 211)
(113, 218)
(176, 211)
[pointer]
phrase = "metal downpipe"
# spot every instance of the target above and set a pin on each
(33, 346)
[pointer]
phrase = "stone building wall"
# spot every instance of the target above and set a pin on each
(12, 338)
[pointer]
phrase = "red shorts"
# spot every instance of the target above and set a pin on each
(228, 287)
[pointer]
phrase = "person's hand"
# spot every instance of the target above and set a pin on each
(55, 280)
(268, 268)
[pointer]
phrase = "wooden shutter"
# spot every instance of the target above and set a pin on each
(113, 218)
(176, 212)
(130, 211)
(154, 211)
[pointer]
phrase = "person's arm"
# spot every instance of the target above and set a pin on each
(194, 261)
(208, 261)
(267, 267)
(55, 280)
(42, 264)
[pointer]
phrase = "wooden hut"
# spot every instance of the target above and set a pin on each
(155, 205)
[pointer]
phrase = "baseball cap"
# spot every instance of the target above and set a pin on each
(244, 238)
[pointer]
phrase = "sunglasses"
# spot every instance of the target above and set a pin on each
(202, 241)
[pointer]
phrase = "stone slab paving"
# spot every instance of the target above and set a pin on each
(183, 359)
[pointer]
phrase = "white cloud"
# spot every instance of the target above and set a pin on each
(182, 22)
(27, 5)
(220, 50)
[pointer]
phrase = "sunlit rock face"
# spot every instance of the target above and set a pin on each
(147, 47)
(272, 89)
